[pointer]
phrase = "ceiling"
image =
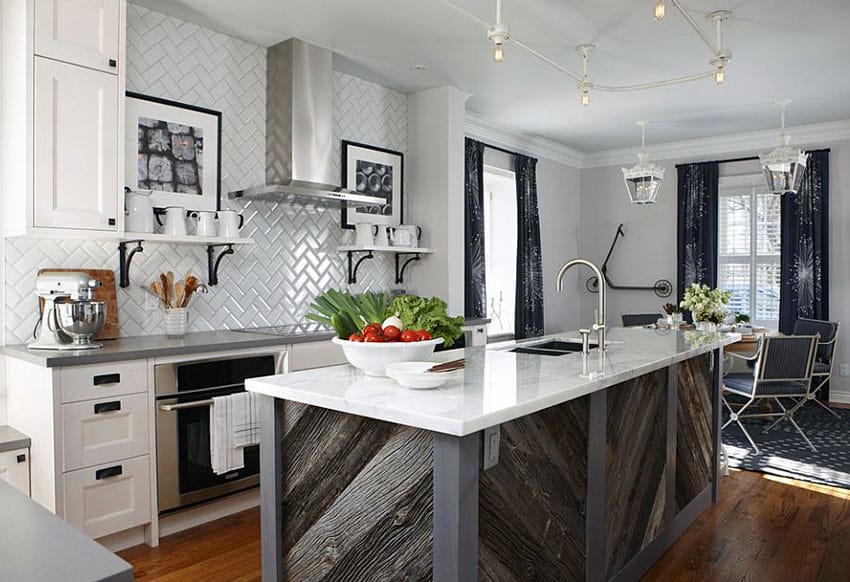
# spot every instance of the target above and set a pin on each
(796, 49)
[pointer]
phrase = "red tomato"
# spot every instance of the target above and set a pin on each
(355, 337)
(408, 336)
(422, 335)
(391, 333)
(374, 338)
(372, 327)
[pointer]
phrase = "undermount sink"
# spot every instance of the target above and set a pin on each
(551, 348)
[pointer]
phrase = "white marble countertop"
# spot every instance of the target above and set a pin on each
(497, 385)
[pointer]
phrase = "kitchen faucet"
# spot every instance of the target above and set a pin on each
(600, 325)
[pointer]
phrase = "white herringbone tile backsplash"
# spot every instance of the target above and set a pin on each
(295, 256)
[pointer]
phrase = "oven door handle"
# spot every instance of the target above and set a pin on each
(185, 405)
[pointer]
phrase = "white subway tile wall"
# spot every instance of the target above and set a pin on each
(295, 256)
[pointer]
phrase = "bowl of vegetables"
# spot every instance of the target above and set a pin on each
(375, 330)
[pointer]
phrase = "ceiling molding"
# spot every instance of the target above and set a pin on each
(818, 134)
(485, 130)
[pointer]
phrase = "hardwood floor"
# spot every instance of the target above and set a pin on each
(764, 528)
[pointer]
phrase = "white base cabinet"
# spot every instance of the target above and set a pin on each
(15, 469)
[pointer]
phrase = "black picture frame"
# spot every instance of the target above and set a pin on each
(209, 119)
(353, 152)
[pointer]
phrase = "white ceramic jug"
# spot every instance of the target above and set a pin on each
(415, 232)
(229, 223)
(364, 234)
(204, 222)
(138, 212)
(381, 238)
(175, 221)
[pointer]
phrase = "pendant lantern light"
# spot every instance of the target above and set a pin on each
(784, 167)
(643, 179)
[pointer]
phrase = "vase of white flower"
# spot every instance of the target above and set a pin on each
(707, 305)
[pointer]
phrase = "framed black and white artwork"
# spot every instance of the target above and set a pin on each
(372, 171)
(173, 150)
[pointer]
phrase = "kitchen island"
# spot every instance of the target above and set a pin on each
(528, 467)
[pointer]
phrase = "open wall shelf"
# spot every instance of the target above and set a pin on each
(412, 254)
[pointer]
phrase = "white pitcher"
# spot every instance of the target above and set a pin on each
(364, 234)
(381, 237)
(138, 212)
(204, 222)
(229, 223)
(175, 221)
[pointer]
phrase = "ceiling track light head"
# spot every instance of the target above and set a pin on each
(499, 34)
(660, 10)
(719, 15)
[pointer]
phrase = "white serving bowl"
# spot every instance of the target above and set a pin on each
(373, 357)
(415, 375)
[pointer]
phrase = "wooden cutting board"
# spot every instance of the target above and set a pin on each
(106, 292)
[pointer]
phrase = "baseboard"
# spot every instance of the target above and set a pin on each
(123, 539)
(839, 396)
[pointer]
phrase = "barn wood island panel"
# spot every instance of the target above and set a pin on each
(526, 467)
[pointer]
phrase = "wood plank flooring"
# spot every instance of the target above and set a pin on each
(764, 528)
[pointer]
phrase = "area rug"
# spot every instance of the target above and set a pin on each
(786, 454)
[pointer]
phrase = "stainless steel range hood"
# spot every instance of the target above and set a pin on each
(299, 128)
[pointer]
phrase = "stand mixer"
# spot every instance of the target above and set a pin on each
(69, 318)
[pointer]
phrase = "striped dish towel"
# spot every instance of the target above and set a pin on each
(234, 425)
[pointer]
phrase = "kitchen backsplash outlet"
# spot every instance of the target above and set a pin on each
(295, 254)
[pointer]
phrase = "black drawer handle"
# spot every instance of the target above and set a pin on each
(106, 379)
(107, 406)
(113, 63)
(108, 472)
(22, 458)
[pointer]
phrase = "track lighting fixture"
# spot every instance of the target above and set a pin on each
(499, 34)
(660, 10)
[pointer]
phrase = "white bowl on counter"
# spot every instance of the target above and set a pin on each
(415, 375)
(373, 357)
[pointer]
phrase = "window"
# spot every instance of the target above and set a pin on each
(500, 236)
(748, 248)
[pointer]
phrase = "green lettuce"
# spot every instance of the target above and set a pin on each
(428, 314)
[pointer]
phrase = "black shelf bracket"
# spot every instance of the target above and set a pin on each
(214, 262)
(399, 272)
(352, 266)
(662, 288)
(124, 260)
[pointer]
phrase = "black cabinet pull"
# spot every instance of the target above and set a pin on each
(22, 458)
(108, 472)
(111, 221)
(113, 63)
(106, 379)
(107, 406)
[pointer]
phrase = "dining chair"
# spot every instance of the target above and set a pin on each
(783, 371)
(824, 361)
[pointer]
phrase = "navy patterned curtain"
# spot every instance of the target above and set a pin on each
(529, 265)
(697, 231)
(805, 246)
(475, 304)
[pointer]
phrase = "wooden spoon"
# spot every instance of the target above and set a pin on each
(156, 289)
(166, 296)
(178, 291)
(191, 286)
(171, 293)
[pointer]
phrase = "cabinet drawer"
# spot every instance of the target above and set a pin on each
(99, 431)
(315, 355)
(103, 380)
(109, 498)
(15, 469)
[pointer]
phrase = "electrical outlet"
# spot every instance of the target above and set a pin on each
(151, 302)
(844, 369)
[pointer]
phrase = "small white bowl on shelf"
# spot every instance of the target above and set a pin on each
(415, 375)
(373, 357)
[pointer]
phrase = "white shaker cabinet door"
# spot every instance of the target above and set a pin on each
(76, 147)
(83, 32)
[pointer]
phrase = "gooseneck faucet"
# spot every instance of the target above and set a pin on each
(600, 325)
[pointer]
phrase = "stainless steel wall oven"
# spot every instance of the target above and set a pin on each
(184, 393)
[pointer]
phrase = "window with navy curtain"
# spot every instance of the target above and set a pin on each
(529, 275)
(475, 293)
(805, 246)
(697, 228)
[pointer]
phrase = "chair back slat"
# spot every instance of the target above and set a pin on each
(827, 330)
(788, 358)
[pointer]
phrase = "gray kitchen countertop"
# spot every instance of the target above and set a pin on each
(12, 440)
(151, 346)
(37, 545)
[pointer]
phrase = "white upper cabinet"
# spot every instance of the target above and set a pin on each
(76, 147)
(82, 32)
